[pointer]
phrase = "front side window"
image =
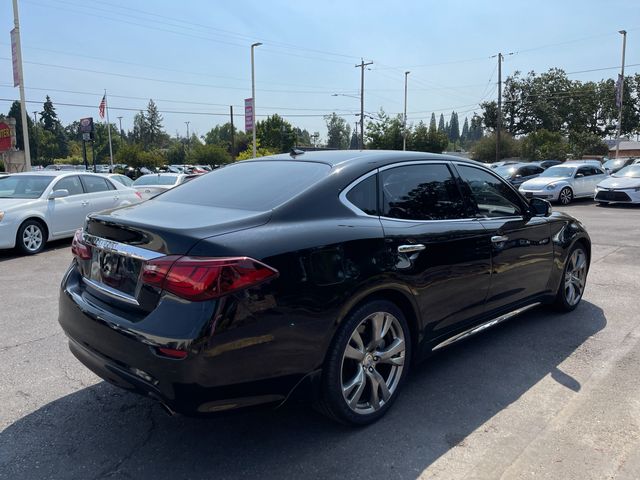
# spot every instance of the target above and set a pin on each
(24, 186)
(421, 192)
(365, 195)
(491, 196)
(72, 184)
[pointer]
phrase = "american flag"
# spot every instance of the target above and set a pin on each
(102, 106)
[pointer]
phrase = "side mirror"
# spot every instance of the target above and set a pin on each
(579, 175)
(540, 207)
(63, 192)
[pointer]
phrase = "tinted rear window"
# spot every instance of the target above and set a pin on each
(254, 186)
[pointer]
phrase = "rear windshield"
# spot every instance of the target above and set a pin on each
(257, 186)
(156, 180)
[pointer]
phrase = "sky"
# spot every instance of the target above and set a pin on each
(193, 57)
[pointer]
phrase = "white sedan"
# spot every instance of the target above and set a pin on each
(564, 182)
(154, 184)
(36, 207)
(621, 187)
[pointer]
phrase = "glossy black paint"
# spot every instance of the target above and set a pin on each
(260, 345)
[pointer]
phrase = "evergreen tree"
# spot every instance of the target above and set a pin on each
(338, 131)
(454, 128)
(441, 123)
(432, 123)
(465, 131)
(48, 116)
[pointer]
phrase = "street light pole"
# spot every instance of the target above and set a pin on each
(361, 65)
(120, 125)
(187, 124)
(253, 97)
(404, 132)
(23, 103)
(624, 46)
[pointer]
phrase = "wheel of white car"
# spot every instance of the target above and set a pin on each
(31, 237)
(566, 196)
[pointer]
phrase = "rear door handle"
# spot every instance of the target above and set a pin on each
(416, 247)
(85, 203)
(499, 238)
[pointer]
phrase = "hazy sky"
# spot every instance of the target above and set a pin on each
(192, 56)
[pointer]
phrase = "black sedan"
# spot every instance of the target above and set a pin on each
(321, 275)
(518, 173)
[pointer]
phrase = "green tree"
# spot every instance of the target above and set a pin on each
(260, 151)
(338, 132)
(424, 139)
(465, 131)
(484, 149)
(490, 115)
(544, 145)
(48, 116)
(147, 128)
(208, 155)
(454, 128)
(586, 143)
(275, 134)
(432, 122)
(385, 133)
(303, 137)
(441, 126)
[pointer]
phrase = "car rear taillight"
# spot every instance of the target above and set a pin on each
(80, 249)
(205, 278)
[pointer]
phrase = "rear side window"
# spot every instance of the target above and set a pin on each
(365, 195)
(252, 185)
(421, 192)
(491, 196)
(72, 184)
(93, 184)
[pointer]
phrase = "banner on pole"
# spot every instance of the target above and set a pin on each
(14, 57)
(248, 114)
(619, 91)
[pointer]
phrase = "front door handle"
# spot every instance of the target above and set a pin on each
(415, 247)
(499, 238)
(85, 203)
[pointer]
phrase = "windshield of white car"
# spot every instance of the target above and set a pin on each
(24, 186)
(613, 163)
(631, 171)
(156, 180)
(558, 172)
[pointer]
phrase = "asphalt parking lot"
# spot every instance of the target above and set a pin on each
(543, 396)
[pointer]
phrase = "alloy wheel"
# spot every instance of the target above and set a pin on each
(566, 196)
(32, 238)
(575, 277)
(372, 363)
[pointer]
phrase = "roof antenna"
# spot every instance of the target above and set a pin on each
(295, 152)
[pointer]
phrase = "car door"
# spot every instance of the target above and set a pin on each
(66, 214)
(101, 193)
(434, 244)
(581, 182)
(521, 247)
(596, 175)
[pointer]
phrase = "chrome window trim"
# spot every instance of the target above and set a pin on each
(120, 248)
(343, 195)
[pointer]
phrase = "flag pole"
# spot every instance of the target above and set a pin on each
(109, 133)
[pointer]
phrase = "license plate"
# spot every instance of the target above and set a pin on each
(115, 271)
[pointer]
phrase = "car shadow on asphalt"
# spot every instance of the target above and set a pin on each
(11, 254)
(100, 431)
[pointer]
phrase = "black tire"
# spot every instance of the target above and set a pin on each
(332, 402)
(566, 196)
(31, 237)
(563, 302)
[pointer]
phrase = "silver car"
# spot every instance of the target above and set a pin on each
(155, 183)
(565, 182)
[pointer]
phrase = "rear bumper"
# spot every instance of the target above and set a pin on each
(210, 379)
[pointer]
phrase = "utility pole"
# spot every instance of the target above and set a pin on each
(499, 119)
(120, 125)
(404, 132)
(35, 131)
(624, 46)
(361, 65)
(23, 103)
(187, 124)
(253, 97)
(233, 134)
